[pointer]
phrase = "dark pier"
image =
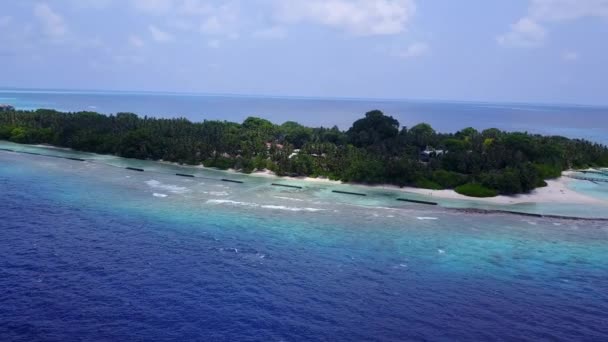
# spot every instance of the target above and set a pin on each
(232, 181)
(184, 175)
(348, 193)
(416, 201)
(287, 186)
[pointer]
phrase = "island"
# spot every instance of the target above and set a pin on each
(374, 150)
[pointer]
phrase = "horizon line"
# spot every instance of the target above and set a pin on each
(292, 97)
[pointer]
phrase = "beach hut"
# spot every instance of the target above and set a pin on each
(429, 153)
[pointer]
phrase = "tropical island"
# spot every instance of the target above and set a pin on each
(375, 150)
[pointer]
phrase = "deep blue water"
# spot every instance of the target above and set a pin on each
(92, 252)
(568, 120)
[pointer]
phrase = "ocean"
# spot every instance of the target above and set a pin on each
(93, 251)
(589, 122)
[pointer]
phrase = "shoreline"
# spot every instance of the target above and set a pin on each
(556, 191)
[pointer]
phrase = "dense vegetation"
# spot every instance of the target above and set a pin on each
(374, 150)
(475, 190)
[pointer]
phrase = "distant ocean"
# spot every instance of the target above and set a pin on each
(589, 122)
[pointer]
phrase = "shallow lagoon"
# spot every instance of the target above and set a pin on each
(99, 252)
(316, 191)
(594, 189)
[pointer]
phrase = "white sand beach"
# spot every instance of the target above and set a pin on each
(556, 191)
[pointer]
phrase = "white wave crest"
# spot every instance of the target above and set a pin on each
(167, 187)
(282, 207)
(218, 193)
(159, 195)
(244, 204)
(424, 218)
(266, 206)
(290, 199)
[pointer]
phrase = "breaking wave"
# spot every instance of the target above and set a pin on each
(167, 187)
(266, 206)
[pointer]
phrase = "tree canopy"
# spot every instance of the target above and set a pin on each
(374, 129)
(374, 150)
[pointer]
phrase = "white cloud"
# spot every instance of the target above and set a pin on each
(52, 23)
(154, 6)
(525, 32)
(95, 4)
(224, 21)
(558, 10)
(360, 17)
(136, 41)
(414, 50)
(269, 19)
(218, 21)
(275, 32)
(194, 7)
(160, 35)
(211, 25)
(173, 7)
(530, 31)
(570, 56)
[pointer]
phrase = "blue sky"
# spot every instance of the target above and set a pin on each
(516, 50)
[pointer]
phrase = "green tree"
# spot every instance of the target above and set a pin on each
(375, 128)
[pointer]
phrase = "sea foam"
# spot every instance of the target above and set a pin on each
(167, 187)
(265, 206)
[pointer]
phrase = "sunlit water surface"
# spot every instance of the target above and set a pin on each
(96, 252)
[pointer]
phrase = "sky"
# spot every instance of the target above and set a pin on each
(540, 51)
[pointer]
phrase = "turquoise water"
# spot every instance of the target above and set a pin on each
(594, 189)
(445, 116)
(318, 192)
(94, 251)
